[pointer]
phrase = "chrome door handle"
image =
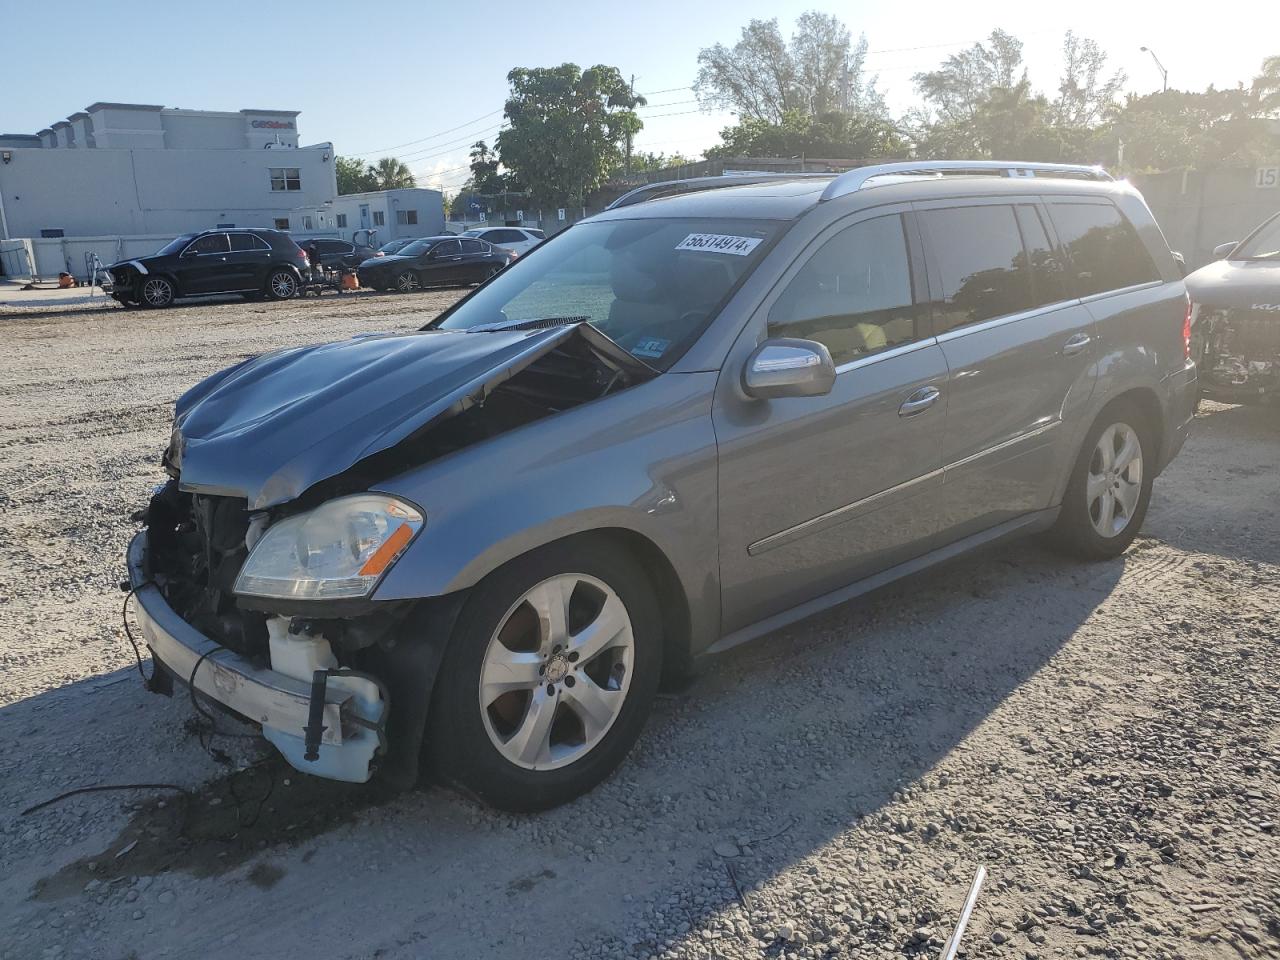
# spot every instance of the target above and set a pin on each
(919, 402)
(1076, 344)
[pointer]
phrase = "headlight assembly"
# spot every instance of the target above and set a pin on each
(338, 550)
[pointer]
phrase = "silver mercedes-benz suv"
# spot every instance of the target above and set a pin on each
(718, 407)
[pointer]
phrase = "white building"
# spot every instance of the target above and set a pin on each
(129, 169)
(409, 212)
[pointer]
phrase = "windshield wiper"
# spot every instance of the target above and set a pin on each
(536, 324)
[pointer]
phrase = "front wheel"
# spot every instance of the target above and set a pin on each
(156, 292)
(407, 282)
(548, 678)
(1110, 486)
(282, 285)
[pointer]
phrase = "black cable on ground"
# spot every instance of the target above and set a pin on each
(219, 755)
(98, 789)
(137, 652)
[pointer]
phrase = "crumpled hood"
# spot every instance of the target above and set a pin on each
(273, 426)
(1236, 285)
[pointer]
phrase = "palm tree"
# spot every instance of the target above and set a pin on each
(1266, 86)
(392, 174)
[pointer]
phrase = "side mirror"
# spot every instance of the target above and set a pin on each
(788, 367)
(1181, 261)
(1222, 249)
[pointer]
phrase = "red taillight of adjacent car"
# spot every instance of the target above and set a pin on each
(302, 255)
(1186, 329)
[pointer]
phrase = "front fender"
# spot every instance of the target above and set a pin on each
(641, 461)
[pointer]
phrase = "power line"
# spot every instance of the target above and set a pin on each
(434, 135)
(673, 103)
(654, 93)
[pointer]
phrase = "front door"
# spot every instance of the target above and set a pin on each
(818, 492)
(204, 265)
(1021, 355)
(443, 264)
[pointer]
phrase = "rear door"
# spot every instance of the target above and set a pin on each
(816, 492)
(204, 266)
(1020, 351)
(248, 261)
(475, 263)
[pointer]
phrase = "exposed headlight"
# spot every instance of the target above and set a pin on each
(338, 550)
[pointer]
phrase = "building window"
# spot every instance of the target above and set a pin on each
(49, 234)
(282, 223)
(285, 178)
(406, 216)
(379, 218)
(342, 219)
(306, 224)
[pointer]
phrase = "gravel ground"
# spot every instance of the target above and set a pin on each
(1103, 738)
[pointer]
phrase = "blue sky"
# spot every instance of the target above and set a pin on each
(443, 65)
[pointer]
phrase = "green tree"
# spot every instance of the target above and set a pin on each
(353, 175)
(392, 174)
(484, 170)
(1177, 128)
(763, 77)
(1266, 87)
(832, 135)
(566, 129)
(648, 162)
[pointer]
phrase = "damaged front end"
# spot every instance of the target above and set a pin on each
(1240, 356)
(257, 571)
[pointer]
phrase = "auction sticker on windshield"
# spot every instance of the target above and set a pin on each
(719, 243)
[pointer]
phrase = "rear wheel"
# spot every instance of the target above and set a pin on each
(1110, 486)
(282, 284)
(407, 281)
(548, 677)
(156, 292)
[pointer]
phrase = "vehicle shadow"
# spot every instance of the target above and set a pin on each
(772, 753)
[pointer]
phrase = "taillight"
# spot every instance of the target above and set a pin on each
(302, 255)
(1186, 330)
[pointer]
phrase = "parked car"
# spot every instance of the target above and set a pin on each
(516, 239)
(252, 261)
(1238, 328)
(395, 246)
(712, 410)
(434, 262)
(335, 254)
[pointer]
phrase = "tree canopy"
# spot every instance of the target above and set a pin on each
(566, 129)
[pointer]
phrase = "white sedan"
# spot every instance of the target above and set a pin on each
(517, 239)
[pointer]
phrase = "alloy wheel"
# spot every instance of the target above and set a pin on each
(157, 292)
(407, 282)
(1114, 484)
(283, 285)
(556, 672)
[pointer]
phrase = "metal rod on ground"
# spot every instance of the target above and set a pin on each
(953, 943)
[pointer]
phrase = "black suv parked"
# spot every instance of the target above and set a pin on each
(255, 262)
(334, 254)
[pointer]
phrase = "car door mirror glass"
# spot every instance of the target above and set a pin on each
(1222, 249)
(788, 367)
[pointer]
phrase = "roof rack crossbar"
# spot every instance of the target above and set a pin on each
(860, 177)
(666, 188)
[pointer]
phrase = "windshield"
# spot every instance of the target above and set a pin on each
(416, 248)
(650, 285)
(1263, 245)
(393, 246)
(470, 233)
(175, 245)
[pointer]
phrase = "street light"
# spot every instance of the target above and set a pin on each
(1164, 74)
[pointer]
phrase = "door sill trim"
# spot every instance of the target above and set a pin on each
(1028, 523)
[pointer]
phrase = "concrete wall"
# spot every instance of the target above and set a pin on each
(429, 205)
(1197, 210)
(146, 191)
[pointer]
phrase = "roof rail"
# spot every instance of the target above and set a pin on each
(667, 188)
(859, 177)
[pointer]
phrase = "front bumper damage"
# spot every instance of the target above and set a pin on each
(352, 711)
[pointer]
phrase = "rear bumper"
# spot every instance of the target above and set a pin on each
(1181, 392)
(280, 704)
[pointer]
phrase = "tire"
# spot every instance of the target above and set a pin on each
(1105, 503)
(282, 284)
(156, 293)
(407, 282)
(544, 727)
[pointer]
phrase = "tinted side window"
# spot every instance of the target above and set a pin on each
(446, 248)
(246, 241)
(1104, 249)
(470, 246)
(853, 294)
(1046, 270)
(213, 243)
(981, 264)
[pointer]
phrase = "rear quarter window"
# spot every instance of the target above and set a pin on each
(1103, 249)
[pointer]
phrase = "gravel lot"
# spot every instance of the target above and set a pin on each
(1102, 738)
